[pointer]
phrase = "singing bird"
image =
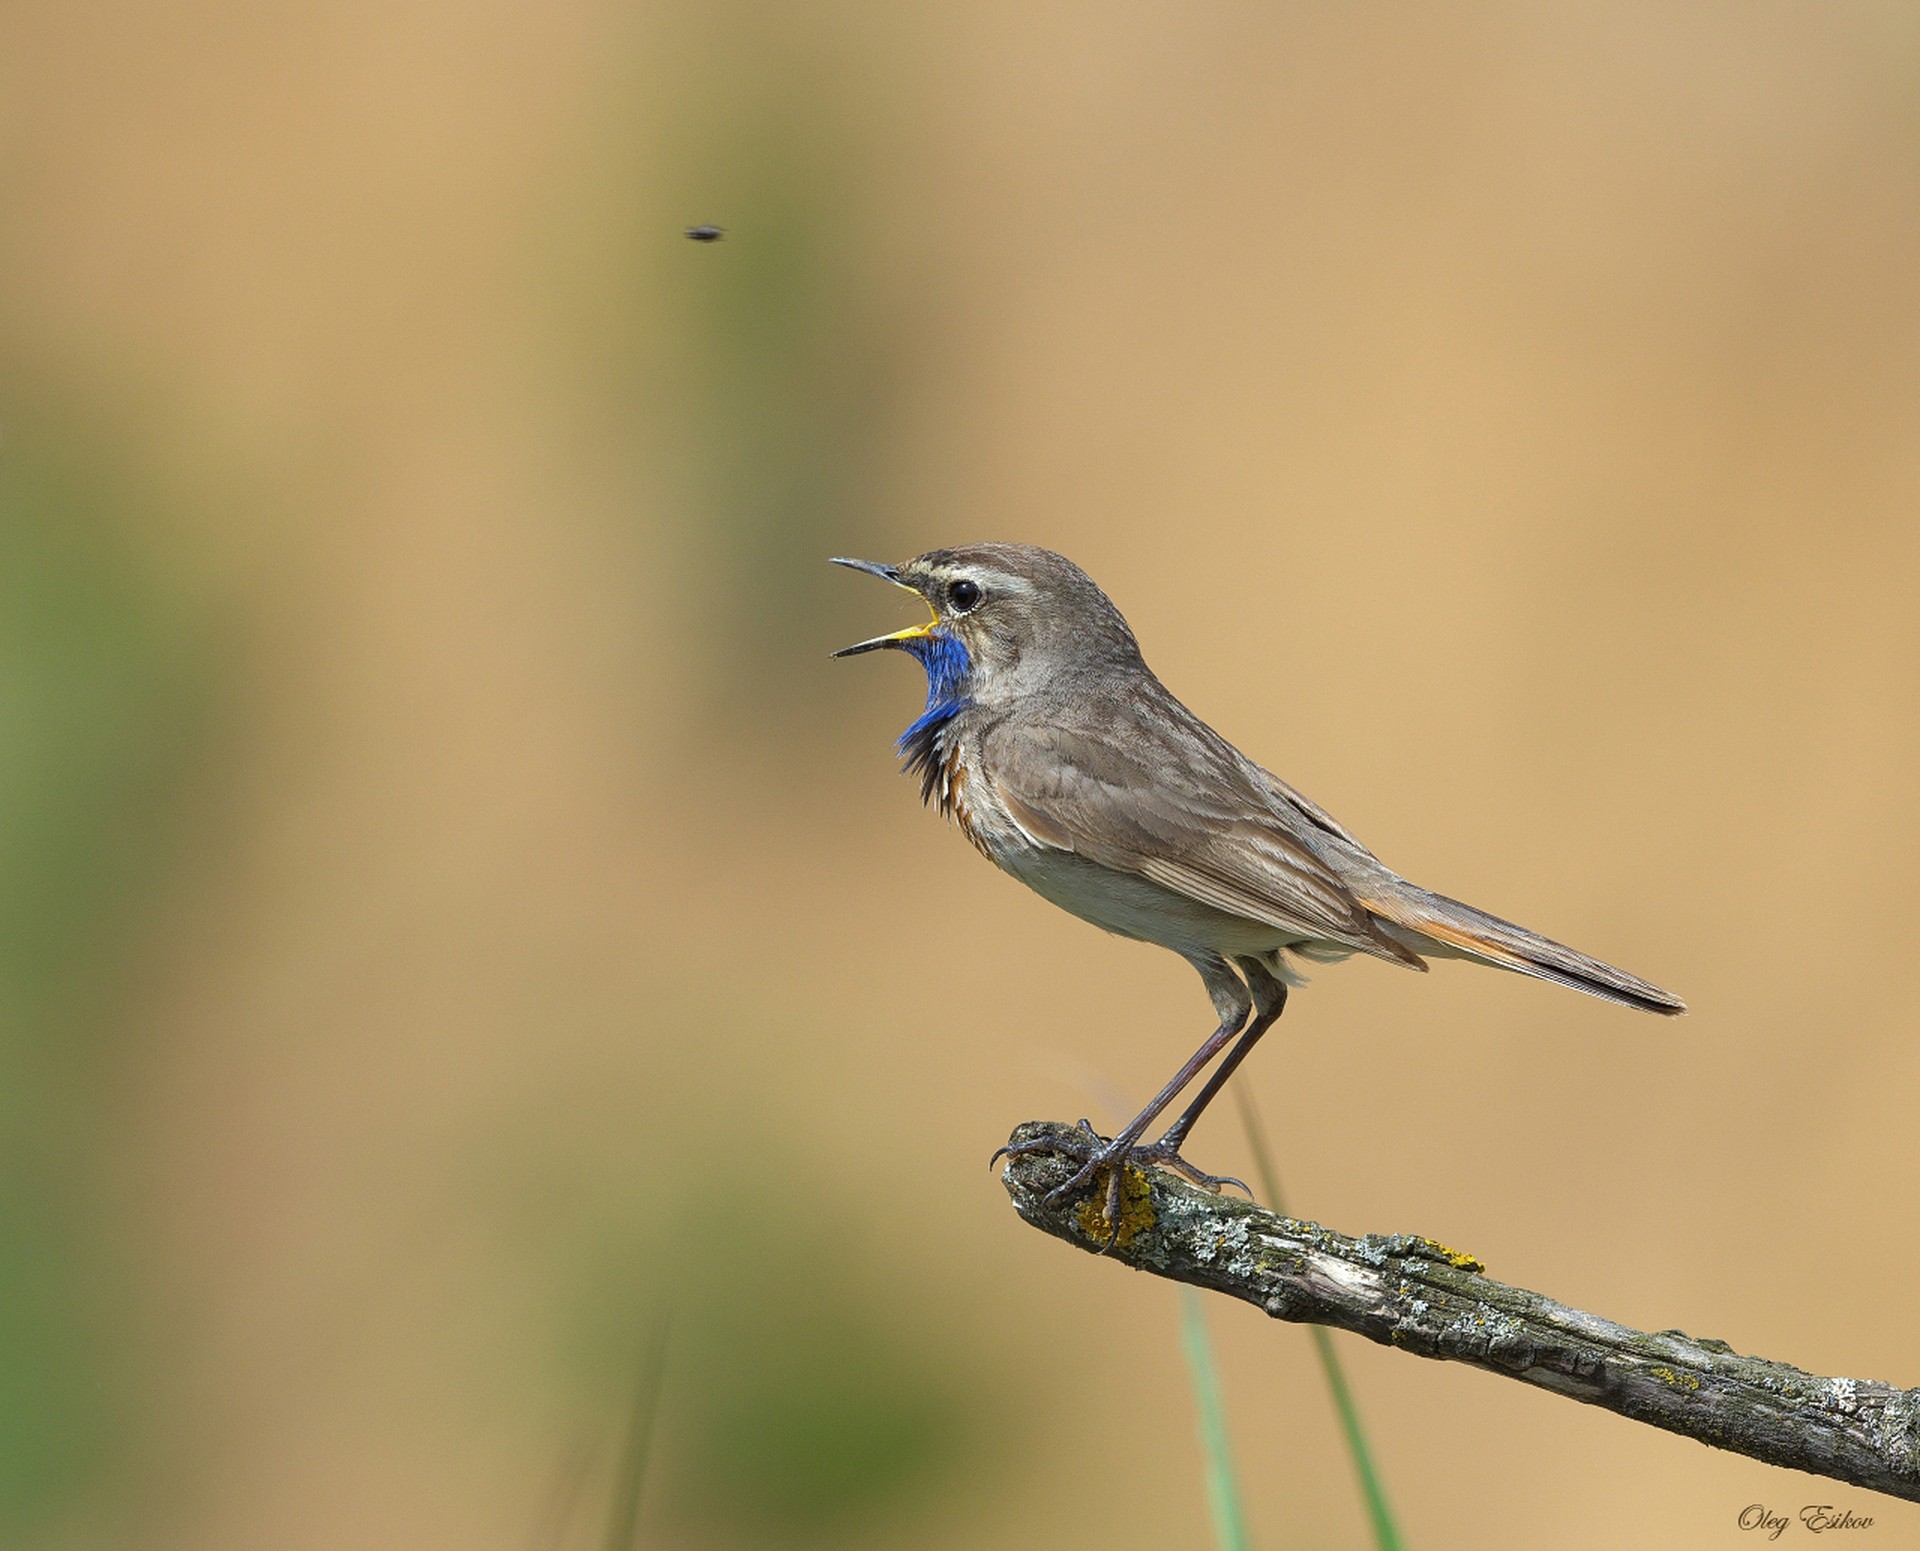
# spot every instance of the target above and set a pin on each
(1048, 739)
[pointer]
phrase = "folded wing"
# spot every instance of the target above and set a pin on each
(1167, 799)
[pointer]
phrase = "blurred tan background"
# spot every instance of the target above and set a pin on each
(454, 908)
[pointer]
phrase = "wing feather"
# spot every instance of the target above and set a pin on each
(1172, 802)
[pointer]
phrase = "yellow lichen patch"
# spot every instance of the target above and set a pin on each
(1453, 1257)
(1136, 1209)
(1686, 1381)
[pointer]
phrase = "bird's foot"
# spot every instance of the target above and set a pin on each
(1067, 1146)
(1110, 1177)
(1106, 1170)
(1096, 1152)
(1166, 1153)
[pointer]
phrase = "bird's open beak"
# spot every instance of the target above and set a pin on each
(887, 573)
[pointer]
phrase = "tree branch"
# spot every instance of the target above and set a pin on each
(1424, 1298)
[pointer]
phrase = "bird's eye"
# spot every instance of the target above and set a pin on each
(963, 595)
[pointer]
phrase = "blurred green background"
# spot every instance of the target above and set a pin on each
(454, 912)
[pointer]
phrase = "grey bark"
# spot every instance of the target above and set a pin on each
(1421, 1297)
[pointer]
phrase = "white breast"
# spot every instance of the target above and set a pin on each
(1132, 906)
(1120, 902)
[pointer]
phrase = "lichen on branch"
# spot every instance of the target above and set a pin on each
(1412, 1293)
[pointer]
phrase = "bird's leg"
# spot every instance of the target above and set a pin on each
(1232, 1002)
(1096, 1149)
(1269, 1001)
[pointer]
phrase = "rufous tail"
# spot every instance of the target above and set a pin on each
(1475, 934)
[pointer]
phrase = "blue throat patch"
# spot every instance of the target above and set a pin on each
(949, 669)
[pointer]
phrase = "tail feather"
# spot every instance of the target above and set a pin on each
(1450, 927)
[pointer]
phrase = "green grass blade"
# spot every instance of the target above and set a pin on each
(1223, 1491)
(1385, 1534)
(623, 1524)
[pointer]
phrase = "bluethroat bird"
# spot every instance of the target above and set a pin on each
(1068, 764)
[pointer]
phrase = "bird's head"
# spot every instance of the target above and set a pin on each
(1008, 619)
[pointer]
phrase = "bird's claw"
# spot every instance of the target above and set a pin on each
(1097, 1155)
(1167, 1155)
(1093, 1154)
(1045, 1144)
